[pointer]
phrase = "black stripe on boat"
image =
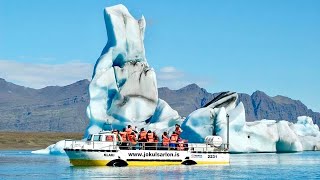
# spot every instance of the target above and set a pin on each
(158, 160)
(203, 152)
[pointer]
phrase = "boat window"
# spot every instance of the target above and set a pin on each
(96, 137)
(89, 137)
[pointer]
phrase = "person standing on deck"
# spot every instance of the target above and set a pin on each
(133, 141)
(165, 140)
(150, 139)
(129, 130)
(142, 138)
(142, 135)
(173, 140)
(135, 129)
(178, 129)
(118, 137)
(124, 137)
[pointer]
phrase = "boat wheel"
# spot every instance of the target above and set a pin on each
(189, 162)
(117, 163)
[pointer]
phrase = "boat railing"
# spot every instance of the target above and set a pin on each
(105, 145)
(95, 145)
(205, 147)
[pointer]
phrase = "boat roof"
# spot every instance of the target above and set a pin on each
(105, 132)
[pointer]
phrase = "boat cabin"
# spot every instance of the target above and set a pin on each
(103, 136)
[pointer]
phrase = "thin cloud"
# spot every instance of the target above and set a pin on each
(39, 75)
(168, 69)
(169, 73)
(173, 78)
(42, 75)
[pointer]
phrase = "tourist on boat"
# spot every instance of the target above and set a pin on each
(133, 141)
(117, 134)
(124, 137)
(173, 140)
(150, 136)
(150, 140)
(178, 129)
(180, 144)
(135, 129)
(142, 135)
(165, 140)
(142, 138)
(156, 139)
(129, 129)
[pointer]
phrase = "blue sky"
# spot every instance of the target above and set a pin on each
(242, 46)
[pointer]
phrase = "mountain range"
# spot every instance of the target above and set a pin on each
(63, 108)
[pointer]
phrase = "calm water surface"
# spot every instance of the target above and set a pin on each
(24, 165)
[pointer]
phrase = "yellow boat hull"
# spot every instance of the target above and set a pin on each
(86, 162)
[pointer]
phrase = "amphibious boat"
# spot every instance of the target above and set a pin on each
(103, 149)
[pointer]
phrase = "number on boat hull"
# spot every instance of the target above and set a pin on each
(212, 156)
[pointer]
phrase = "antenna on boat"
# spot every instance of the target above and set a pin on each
(228, 131)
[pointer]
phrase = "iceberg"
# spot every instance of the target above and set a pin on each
(123, 91)
(54, 149)
(257, 136)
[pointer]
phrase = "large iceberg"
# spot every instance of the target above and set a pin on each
(123, 91)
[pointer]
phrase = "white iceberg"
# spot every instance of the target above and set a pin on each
(123, 89)
(55, 149)
(257, 136)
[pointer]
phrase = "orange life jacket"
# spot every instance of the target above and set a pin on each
(165, 140)
(143, 135)
(124, 136)
(109, 138)
(174, 138)
(132, 139)
(150, 137)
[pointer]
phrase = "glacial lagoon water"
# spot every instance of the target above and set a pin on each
(24, 165)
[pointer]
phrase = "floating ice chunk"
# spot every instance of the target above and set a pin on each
(54, 149)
